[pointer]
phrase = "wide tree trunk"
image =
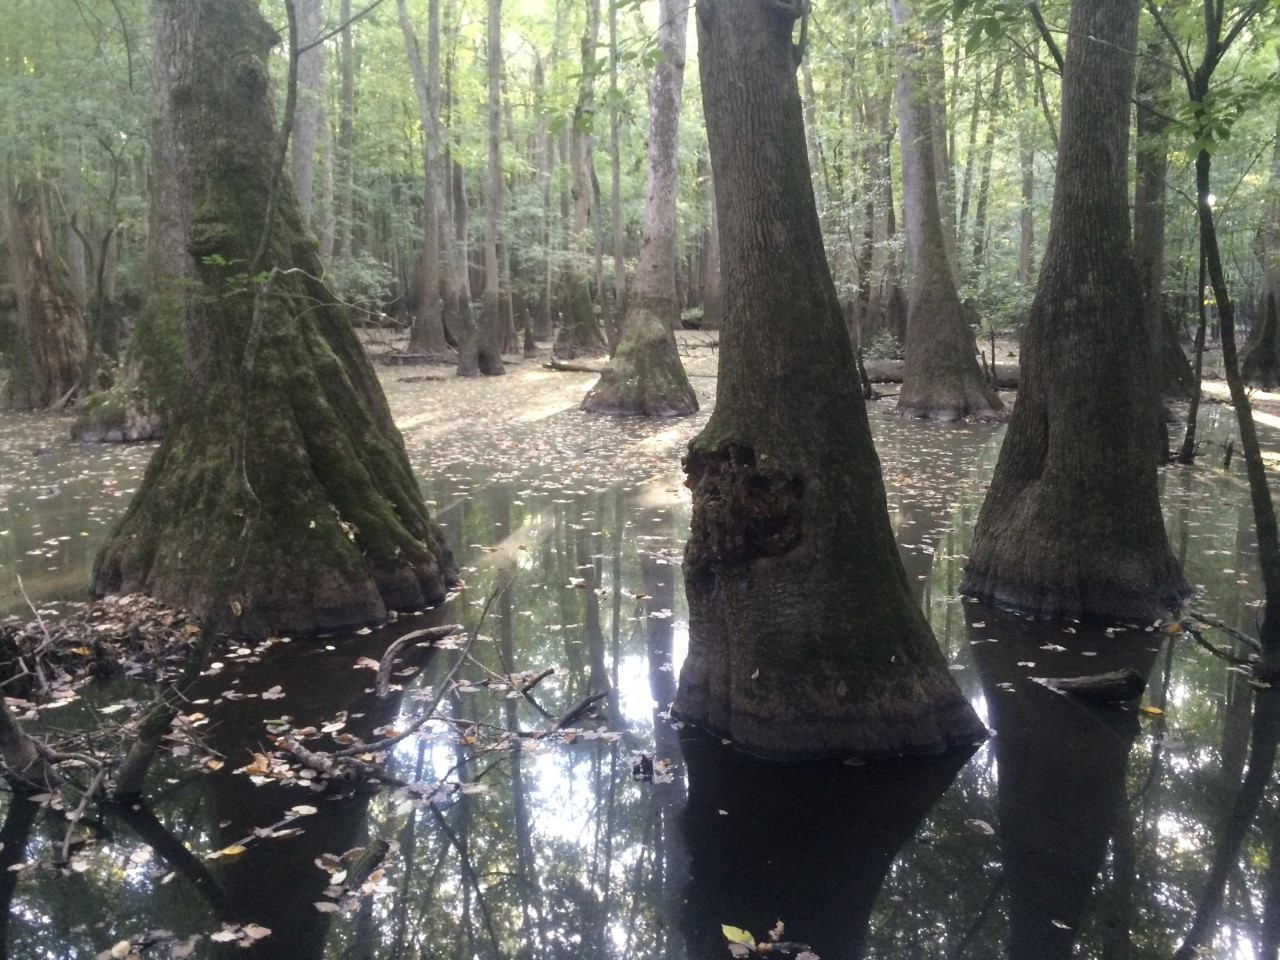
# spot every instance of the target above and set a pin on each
(1071, 526)
(942, 380)
(282, 498)
(645, 375)
(804, 638)
(48, 362)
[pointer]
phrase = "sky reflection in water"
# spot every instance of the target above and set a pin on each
(1077, 830)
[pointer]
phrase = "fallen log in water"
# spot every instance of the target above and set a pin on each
(1114, 687)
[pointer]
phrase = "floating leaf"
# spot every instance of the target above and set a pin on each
(327, 906)
(1153, 711)
(737, 935)
(980, 826)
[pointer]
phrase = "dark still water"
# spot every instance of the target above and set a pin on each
(508, 828)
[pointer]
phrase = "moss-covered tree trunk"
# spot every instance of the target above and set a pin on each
(50, 344)
(645, 375)
(804, 639)
(1071, 526)
(941, 379)
(282, 498)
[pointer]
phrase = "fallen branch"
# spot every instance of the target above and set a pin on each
(1216, 651)
(430, 635)
(1209, 620)
(554, 364)
(575, 712)
(25, 763)
(1114, 687)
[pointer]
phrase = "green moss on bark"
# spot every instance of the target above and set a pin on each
(282, 498)
(645, 377)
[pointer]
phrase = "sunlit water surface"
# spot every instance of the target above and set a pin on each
(1077, 830)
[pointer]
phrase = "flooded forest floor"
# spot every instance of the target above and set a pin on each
(532, 797)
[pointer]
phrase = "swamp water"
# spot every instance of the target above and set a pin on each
(1077, 830)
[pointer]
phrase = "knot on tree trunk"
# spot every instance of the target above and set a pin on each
(744, 509)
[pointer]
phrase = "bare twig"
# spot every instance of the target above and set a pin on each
(1209, 620)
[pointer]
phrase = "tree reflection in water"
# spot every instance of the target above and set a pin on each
(1110, 829)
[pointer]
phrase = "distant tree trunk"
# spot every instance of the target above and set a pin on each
(645, 375)
(345, 203)
(1071, 526)
(459, 316)
(77, 268)
(427, 334)
(941, 379)
(48, 362)
(615, 168)
(282, 498)
(311, 98)
(580, 329)
(970, 154)
(984, 179)
(542, 326)
(156, 351)
(492, 325)
(325, 223)
(933, 79)
(1260, 360)
(804, 638)
(1171, 371)
(1027, 179)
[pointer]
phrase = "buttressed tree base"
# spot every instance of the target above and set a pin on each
(804, 638)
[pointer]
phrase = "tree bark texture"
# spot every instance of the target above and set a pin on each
(1260, 361)
(282, 498)
(580, 330)
(311, 99)
(49, 360)
(1026, 180)
(427, 334)
(344, 204)
(1171, 370)
(645, 375)
(942, 380)
(492, 322)
(712, 292)
(1071, 526)
(804, 638)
